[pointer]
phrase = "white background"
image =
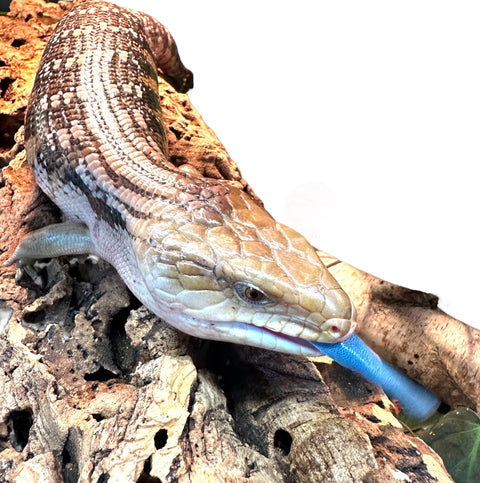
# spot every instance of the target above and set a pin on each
(357, 123)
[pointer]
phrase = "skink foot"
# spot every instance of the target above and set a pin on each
(52, 241)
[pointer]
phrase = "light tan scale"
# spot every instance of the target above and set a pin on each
(198, 252)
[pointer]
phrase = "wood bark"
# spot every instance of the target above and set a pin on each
(95, 388)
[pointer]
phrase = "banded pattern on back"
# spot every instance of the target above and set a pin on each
(94, 118)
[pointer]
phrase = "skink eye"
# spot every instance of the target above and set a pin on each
(251, 294)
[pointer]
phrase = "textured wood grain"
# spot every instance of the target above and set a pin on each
(95, 388)
(407, 328)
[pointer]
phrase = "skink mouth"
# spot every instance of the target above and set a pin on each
(247, 334)
(304, 346)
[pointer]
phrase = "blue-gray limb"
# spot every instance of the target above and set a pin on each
(67, 238)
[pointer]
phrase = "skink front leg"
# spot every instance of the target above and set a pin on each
(352, 353)
(68, 238)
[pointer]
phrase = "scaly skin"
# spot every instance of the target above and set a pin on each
(189, 248)
(198, 252)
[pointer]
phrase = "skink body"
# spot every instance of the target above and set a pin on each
(198, 252)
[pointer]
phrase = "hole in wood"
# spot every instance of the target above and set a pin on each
(283, 441)
(161, 438)
(69, 464)
(10, 125)
(145, 476)
(101, 375)
(19, 423)
(124, 354)
(34, 318)
(5, 83)
(103, 478)
(18, 42)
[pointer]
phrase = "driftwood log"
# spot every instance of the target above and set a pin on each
(95, 388)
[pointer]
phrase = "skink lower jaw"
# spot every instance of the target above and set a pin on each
(305, 347)
(247, 334)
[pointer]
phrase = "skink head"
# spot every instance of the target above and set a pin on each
(284, 287)
(244, 278)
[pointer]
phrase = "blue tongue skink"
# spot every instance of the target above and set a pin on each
(197, 250)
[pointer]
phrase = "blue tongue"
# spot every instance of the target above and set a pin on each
(415, 400)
